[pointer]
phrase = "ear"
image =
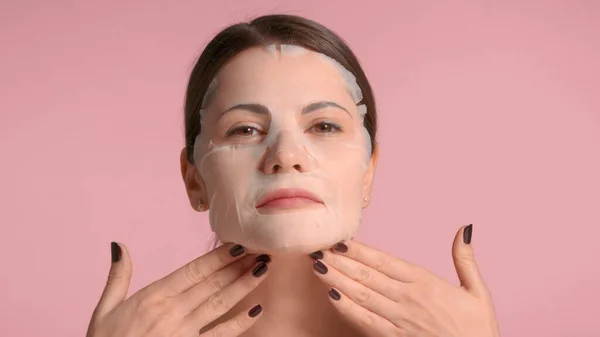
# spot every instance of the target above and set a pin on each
(369, 175)
(194, 184)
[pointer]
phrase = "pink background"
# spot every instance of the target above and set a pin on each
(490, 114)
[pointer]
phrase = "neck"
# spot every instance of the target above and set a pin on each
(295, 302)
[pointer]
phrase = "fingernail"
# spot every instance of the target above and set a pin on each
(467, 233)
(340, 247)
(255, 311)
(317, 255)
(115, 252)
(334, 294)
(236, 250)
(263, 258)
(260, 269)
(320, 267)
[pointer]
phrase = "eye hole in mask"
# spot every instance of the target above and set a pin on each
(250, 131)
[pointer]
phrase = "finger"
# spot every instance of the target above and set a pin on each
(358, 293)
(118, 281)
(221, 302)
(237, 325)
(390, 266)
(370, 323)
(198, 270)
(364, 275)
(193, 297)
(464, 262)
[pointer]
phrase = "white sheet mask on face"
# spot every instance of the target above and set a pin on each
(331, 170)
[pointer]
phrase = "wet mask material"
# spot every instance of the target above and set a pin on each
(234, 181)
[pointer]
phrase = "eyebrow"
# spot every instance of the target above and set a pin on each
(263, 110)
(320, 105)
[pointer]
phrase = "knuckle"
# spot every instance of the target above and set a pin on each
(392, 288)
(333, 260)
(223, 255)
(382, 261)
(367, 320)
(114, 275)
(466, 259)
(407, 295)
(218, 331)
(362, 274)
(363, 296)
(215, 284)
(145, 302)
(148, 308)
(357, 252)
(148, 312)
(195, 272)
(334, 280)
(347, 307)
(218, 304)
(239, 324)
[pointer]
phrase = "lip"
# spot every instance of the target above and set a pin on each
(289, 196)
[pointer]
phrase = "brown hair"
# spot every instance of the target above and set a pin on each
(262, 31)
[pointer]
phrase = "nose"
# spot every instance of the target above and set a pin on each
(286, 155)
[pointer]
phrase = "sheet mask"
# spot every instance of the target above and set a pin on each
(332, 170)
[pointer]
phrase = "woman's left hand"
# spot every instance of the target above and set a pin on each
(386, 296)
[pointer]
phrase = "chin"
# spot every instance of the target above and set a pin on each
(277, 238)
(291, 250)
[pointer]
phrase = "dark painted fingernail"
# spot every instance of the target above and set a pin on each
(320, 267)
(236, 250)
(255, 311)
(334, 294)
(340, 247)
(317, 255)
(115, 252)
(467, 234)
(263, 258)
(260, 269)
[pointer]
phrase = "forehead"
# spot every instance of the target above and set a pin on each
(271, 74)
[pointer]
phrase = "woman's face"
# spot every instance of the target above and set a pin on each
(283, 158)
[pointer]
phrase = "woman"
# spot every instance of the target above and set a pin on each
(281, 149)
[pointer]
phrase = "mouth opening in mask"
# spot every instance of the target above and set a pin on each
(288, 200)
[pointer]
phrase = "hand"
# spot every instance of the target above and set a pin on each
(387, 296)
(182, 303)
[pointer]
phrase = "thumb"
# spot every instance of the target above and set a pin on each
(117, 284)
(464, 262)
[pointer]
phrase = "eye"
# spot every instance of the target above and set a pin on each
(326, 127)
(243, 131)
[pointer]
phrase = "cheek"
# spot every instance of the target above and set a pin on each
(346, 171)
(227, 170)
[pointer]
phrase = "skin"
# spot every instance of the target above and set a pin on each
(374, 294)
(386, 296)
(181, 303)
(380, 295)
(296, 299)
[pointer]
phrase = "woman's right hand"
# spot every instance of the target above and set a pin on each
(183, 302)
